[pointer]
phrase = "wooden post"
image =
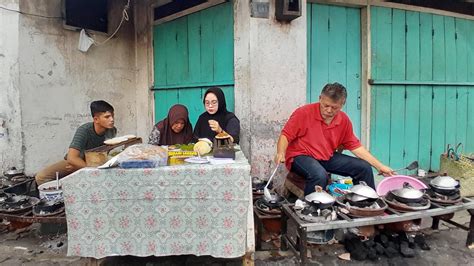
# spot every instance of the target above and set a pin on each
(284, 231)
(303, 245)
(94, 261)
(470, 234)
(258, 241)
(248, 259)
(435, 224)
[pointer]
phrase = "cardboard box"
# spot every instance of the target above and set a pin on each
(178, 157)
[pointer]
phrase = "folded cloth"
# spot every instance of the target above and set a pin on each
(216, 161)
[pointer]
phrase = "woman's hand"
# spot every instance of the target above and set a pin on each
(215, 126)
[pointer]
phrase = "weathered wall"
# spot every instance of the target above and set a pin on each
(144, 74)
(270, 79)
(57, 81)
(10, 111)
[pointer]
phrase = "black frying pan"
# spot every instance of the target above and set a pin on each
(48, 206)
(362, 203)
(319, 205)
(447, 192)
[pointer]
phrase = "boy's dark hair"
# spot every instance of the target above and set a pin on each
(335, 91)
(100, 107)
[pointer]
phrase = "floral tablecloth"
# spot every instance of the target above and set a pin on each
(173, 210)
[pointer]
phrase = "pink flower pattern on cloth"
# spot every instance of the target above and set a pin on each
(171, 210)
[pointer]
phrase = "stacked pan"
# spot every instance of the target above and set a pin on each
(361, 201)
(444, 190)
(407, 199)
(445, 185)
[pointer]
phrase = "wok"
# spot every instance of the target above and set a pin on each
(360, 203)
(407, 194)
(320, 198)
(444, 191)
(48, 206)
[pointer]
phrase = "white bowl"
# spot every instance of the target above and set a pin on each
(49, 195)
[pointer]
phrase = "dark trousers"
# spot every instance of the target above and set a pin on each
(315, 171)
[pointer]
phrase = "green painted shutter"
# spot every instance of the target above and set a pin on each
(334, 54)
(423, 76)
(191, 54)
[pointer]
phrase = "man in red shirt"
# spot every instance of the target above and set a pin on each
(314, 131)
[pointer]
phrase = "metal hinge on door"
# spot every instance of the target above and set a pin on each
(358, 100)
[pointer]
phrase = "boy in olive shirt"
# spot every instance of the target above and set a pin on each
(89, 135)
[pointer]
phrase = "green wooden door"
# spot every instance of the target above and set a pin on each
(423, 94)
(334, 54)
(191, 54)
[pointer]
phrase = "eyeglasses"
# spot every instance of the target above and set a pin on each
(214, 102)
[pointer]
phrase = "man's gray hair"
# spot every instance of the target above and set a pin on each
(335, 91)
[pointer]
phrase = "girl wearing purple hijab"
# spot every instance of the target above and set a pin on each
(174, 129)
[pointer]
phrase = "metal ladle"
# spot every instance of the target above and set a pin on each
(266, 192)
(412, 166)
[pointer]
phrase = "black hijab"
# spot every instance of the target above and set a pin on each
(202, 128)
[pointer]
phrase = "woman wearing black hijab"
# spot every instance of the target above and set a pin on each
(216, 119)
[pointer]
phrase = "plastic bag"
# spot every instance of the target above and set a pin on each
(143, 156)
(85, 41)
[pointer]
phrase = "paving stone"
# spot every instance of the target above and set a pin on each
(447, 248)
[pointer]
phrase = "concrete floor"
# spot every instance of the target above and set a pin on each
(28, 248)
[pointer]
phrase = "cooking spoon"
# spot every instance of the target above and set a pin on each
(412, 166)
(266, 192)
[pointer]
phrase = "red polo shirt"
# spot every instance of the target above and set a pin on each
(307, 134)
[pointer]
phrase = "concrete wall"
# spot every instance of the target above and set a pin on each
(56, 82)
(144, 71)
(10, 111)
(270, 80)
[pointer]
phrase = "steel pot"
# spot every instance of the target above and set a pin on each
(445, 182)
(362, 189)
(407, 194)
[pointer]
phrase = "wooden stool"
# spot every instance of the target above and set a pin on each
(295, 184)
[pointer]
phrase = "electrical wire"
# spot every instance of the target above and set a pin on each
(124, 18)
(28, 14)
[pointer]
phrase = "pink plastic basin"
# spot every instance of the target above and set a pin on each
(396, 181)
